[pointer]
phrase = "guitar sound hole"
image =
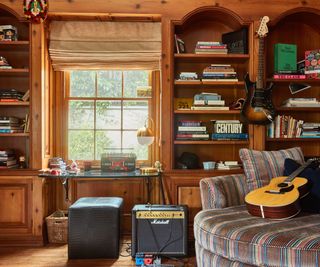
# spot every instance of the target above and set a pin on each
(282, 185)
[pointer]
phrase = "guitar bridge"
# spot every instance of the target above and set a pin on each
(274, 192)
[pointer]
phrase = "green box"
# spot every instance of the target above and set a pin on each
(285, 58)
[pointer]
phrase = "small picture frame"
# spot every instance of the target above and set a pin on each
(180, 46)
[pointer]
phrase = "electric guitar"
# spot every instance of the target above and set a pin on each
(280, 198)
(258, 107)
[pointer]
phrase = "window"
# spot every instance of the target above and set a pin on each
(105, 109)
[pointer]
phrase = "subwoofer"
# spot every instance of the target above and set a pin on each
(160, 230)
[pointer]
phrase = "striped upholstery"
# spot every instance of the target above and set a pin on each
(206, 258)
(223, 191)
(260, 166)
(235, 235)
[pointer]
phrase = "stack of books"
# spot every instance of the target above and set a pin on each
(311, 130)
(228, 165)
(228, 130)
(189, 76)
(191, 130)
(8, 159)
(219, 72)
(10, 125)
(301, 102)
(208, 101)
(284, 126)
(210, 48)
(4, 63)
(11, 95)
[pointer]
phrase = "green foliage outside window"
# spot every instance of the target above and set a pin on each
(96, 121)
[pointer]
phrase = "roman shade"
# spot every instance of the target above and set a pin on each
(105, 44)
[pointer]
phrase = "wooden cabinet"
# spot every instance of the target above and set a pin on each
(17, 53)
(21, 213)
(300, 27)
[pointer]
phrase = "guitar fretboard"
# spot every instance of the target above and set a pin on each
(260, 63)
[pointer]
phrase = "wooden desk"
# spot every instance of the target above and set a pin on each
(64, 178)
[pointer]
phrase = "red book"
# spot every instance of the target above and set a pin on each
(289, 76)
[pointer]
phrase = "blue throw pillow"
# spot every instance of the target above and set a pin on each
(311, 202)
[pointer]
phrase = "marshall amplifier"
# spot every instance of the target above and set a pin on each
(160, 230)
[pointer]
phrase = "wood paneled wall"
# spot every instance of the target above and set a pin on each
(175, 9)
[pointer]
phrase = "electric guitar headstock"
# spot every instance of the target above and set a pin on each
(263, 28)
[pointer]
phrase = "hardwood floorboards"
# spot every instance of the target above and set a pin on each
(57, 256)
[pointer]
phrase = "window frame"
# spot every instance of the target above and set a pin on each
(153, 77)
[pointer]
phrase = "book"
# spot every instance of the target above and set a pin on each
(209, 102)
(312, 64)
(285, 57)
(289, 76)
(192, 128)
(192, 136)
(227, 136)
(209, 108)
(220, 80)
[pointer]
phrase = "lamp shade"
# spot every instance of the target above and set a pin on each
(145, 136)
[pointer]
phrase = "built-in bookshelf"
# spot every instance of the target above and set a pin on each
(17, 54)
(305, 23)
(213, 22)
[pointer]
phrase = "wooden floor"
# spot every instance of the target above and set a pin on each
(57, 256)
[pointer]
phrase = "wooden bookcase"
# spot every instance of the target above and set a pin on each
(203, 24)
(207, 24)
(300, 27)
(17, 54)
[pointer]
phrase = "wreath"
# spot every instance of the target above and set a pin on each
(35, 10)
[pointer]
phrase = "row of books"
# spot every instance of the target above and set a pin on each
(222, 130)
(210, 48)
(208, 101)
(12, 95)
(10, 124)
(8, 159)
(285, 126)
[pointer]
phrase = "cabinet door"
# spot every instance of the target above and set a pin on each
(15, 206)
(185, 190)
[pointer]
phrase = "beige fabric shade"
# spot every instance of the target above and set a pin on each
(111, 45)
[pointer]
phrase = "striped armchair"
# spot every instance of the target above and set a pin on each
(227, 235)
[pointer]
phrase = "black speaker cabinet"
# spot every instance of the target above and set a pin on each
(160, 230)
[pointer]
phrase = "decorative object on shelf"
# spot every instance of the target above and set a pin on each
(258, 107)
(118, 161)
(8, 33)
(145, 134)
(208, 165)
(238, 104)
(298, 87)
(4, 63)
(35, 10)
(236, 41)
(180, 46)
(22, 162)
(188, 160)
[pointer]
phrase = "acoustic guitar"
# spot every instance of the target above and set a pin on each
(280, 198)
(258, 107)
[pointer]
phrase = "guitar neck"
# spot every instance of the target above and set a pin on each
(297, 171)
(260, 64)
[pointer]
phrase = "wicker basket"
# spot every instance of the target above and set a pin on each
(57, 226)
